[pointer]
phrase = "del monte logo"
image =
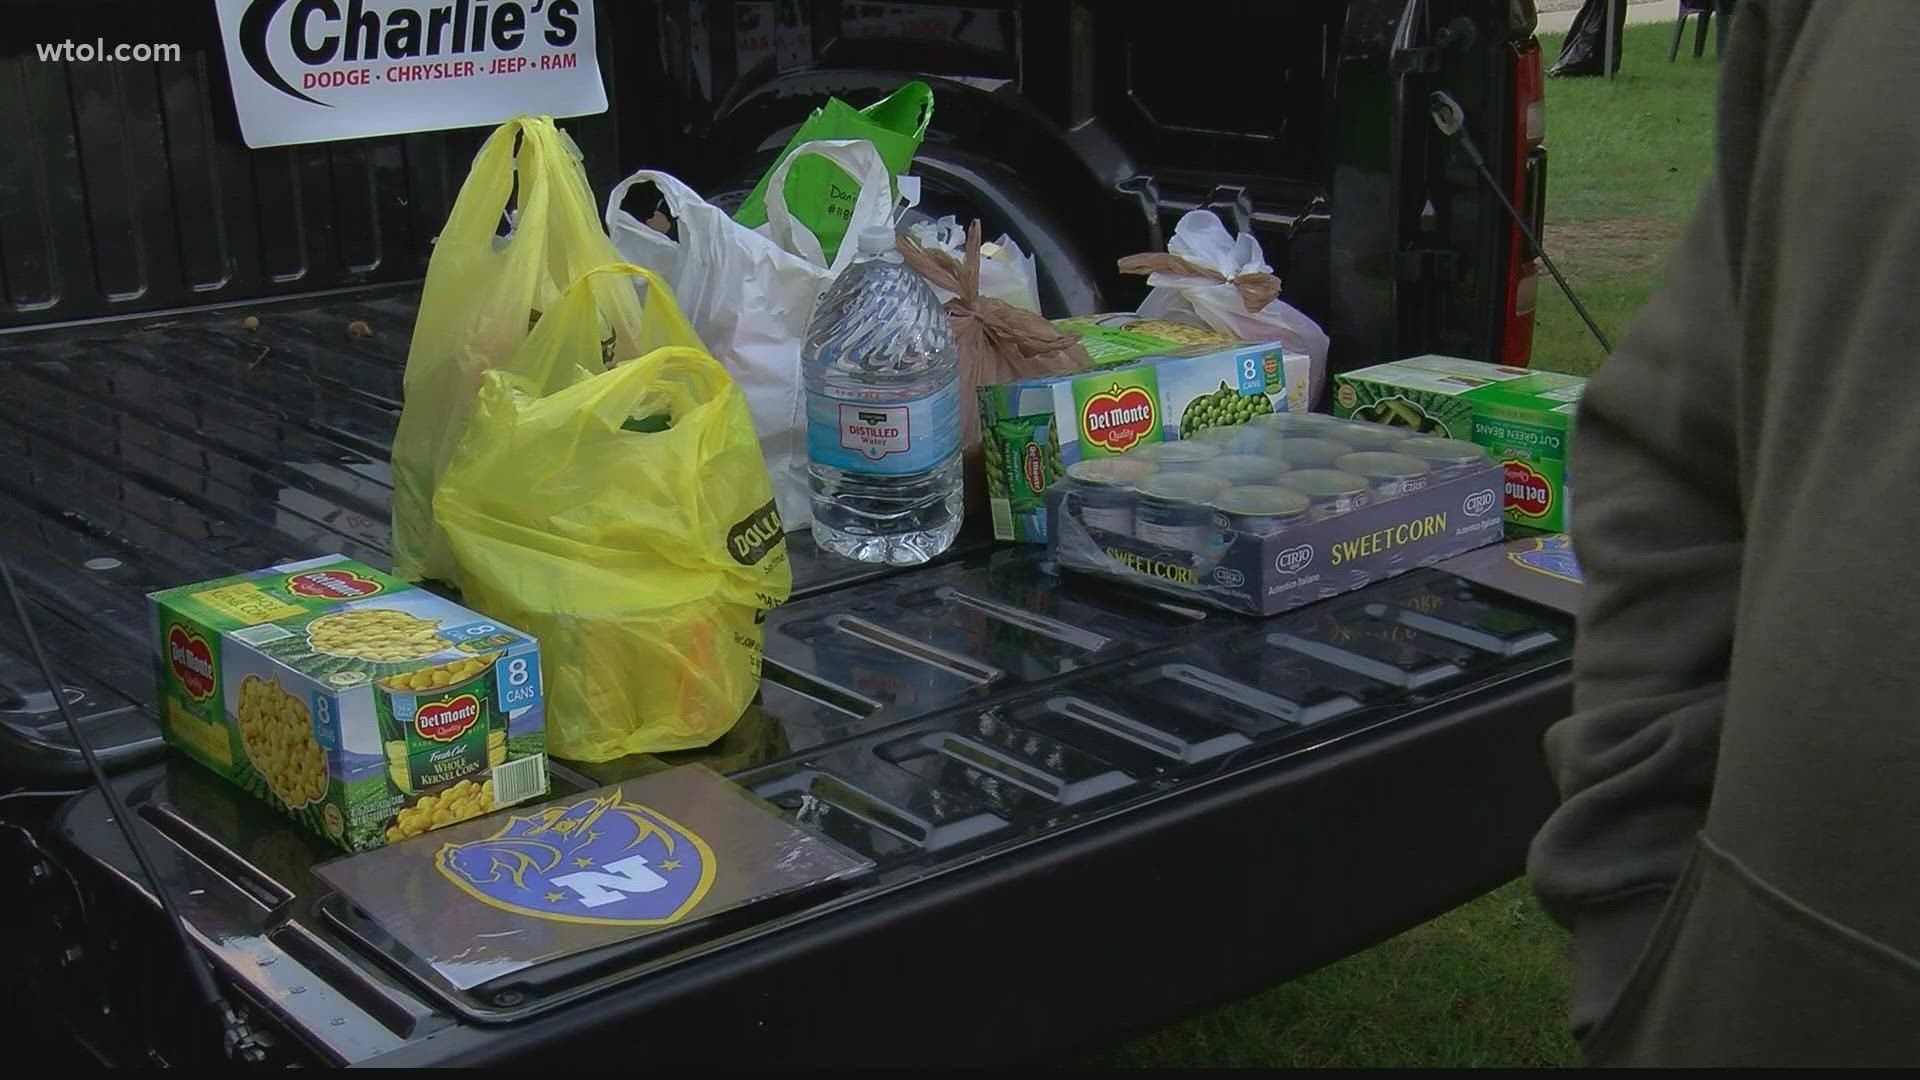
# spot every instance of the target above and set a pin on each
(190, 659)
(445, 721)
(1033, 469)
(1117, 418)
(1528, 492)
(332, 585)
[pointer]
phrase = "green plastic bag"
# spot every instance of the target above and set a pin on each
(820, 193)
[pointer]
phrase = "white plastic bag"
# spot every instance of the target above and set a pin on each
(750, 293)
(1006, 272)
(1210, 277)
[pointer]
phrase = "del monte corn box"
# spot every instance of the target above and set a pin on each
(1524, 417)
(366, 708)
(1033, 430)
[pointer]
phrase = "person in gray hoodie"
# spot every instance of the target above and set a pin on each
(1738, 849)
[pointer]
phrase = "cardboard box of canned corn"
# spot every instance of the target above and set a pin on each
(1288, 509)
(1523, 417)
(1034, 429)
(367, 709)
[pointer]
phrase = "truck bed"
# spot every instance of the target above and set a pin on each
(1089, 810)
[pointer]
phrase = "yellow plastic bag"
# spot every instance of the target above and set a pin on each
(481, 295)
(625, 519)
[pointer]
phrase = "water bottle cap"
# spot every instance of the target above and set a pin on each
(876, 239)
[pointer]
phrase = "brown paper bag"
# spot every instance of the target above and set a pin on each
(997, 341)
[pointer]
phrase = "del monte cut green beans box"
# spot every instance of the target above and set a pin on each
(1523, 417)
(367, 709)
(1033, 430)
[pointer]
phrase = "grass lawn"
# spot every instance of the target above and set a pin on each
(1486, 984)
(1625, 164)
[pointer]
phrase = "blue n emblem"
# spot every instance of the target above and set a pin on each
(1549, 555)
(600, 860)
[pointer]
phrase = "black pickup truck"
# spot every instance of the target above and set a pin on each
(1089, 811)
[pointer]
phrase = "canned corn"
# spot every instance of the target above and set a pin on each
(1449, 457)
(1307, 451)
(1230, 438)
(1184, 456)
(1294, 424)
(1328, 491)
(441, 723)
(1260, 510)
(1244, 468)
(1364, 436)
(1105, 494)
(1173, 512)
(1388, 476)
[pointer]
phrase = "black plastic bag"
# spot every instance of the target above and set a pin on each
(1587, 39)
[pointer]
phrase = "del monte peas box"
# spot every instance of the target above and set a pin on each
(367, 709)
(1033, 430)
(1524, 417)
(1121, 337)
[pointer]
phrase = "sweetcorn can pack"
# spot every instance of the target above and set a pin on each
(1304, 507)
(366, 708)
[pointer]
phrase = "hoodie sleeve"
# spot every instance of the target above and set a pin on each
(1660, 538)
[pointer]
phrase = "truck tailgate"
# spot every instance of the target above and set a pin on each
(1088, 810)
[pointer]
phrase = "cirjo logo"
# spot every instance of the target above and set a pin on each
(1294, 559)
(190, 659)
(1480, 502)
(1032, 468)
(445, 721)
(332, 585)
(1528, 492)
(1114, 420)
